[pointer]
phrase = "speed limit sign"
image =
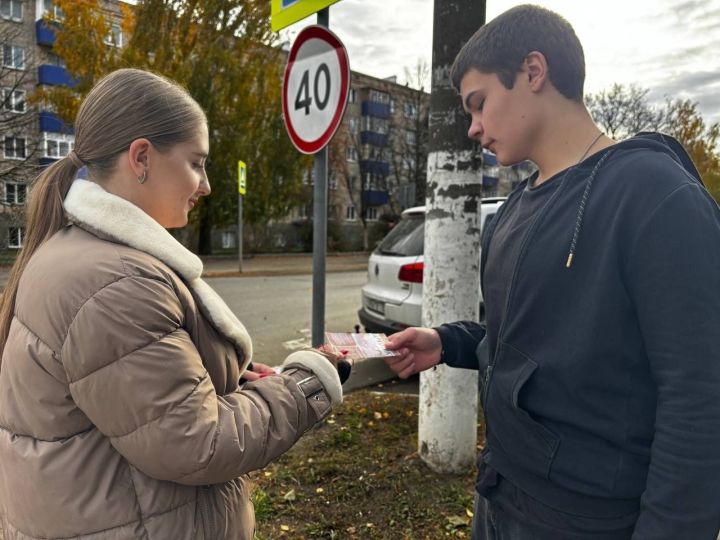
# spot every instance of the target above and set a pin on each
(315, 88)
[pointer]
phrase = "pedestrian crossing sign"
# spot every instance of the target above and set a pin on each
(242, 178)
(286, 12)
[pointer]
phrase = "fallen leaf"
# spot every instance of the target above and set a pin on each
(268, 473)
(386, 414)
(350, 530)
(369, 525)
(370, 423)
(377, 415)
(284, 528)
(458, 521)
(319, 490)
(290, 496)
(469, 512)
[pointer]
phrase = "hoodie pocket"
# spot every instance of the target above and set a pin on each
(523, 439)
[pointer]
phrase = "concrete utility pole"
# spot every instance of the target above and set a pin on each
(449, 397)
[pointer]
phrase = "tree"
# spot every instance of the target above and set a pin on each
(340, 170)
(623, 111)
(409, 140)
(224, 53)
(18, 113)
(686, 124)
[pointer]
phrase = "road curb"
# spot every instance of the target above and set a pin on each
(269, 273)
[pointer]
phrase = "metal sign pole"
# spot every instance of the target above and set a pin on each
(240, 232)
(319, 229)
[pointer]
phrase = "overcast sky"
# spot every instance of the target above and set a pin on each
(671, 47)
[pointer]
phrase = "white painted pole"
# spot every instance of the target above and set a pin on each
(447, 429)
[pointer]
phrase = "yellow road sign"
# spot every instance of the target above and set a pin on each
(286, 12)
(242, 178)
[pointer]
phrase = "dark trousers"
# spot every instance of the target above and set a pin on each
(510, 514)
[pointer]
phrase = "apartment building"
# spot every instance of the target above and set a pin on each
(32, 135)
(378, 164)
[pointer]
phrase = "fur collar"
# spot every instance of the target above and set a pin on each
(89, 204)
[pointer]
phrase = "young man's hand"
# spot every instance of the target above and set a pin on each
(418, 348)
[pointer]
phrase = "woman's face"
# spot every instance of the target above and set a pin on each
(176, 180)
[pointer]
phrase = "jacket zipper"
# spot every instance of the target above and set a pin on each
(521, 254)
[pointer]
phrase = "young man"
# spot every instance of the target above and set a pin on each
(600, 357)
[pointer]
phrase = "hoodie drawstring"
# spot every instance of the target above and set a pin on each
(581, 209)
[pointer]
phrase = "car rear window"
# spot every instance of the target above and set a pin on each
(405, 239)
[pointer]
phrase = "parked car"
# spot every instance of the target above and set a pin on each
(392, 296)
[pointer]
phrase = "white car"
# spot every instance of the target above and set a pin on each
(392, 296)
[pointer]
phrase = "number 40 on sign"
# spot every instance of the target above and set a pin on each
(315, 88)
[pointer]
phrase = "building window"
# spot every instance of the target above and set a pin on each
(15, 193)
(352, 96)
(409, 163)
(12, 100)
(15, 148)
(411, 111)
(350, 213)
(55, 60)
(353, 123)
(379, 97)
(352, 183)
(371, 214)
(11, 9)
(57, 145)
(15, 237)
(351, 154)
(115, 37)
(228, 239)
(49, 8)
(377, 125)
(410, 137)
(13, 57)
(392, 106)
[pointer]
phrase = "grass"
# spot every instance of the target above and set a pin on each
(359, 476)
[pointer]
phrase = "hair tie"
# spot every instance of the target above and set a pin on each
(76, 160)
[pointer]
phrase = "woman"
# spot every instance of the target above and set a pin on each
(120, 411)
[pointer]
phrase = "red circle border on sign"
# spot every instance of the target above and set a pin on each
(322, 33)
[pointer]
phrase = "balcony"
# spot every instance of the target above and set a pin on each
(378, 168)
(374, 138)
(45, 33)
(52, 123)
(373, 197)
(489, 181)
(55, 76)
(378, 110)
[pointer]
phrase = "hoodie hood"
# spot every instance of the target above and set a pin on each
(656, 142)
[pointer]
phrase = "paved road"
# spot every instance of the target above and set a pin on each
(277, 310)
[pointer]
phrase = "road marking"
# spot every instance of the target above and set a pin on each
(300, 343)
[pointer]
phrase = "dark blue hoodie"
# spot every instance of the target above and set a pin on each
(601, 380)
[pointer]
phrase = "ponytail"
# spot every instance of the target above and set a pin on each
(45, 216)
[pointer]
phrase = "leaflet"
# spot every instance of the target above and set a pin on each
(358, 345)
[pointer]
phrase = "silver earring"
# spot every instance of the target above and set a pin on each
(141, 179)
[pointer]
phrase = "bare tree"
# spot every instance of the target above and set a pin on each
(409, 138)
(18, 112)
(623, 111)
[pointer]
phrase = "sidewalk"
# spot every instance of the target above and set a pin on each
(284, 264)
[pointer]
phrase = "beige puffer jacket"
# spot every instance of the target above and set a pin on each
(120, 412)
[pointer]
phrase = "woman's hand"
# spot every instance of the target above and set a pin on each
(340, 360)
(256, 371)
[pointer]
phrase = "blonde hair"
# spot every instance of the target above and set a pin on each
(125, 105)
